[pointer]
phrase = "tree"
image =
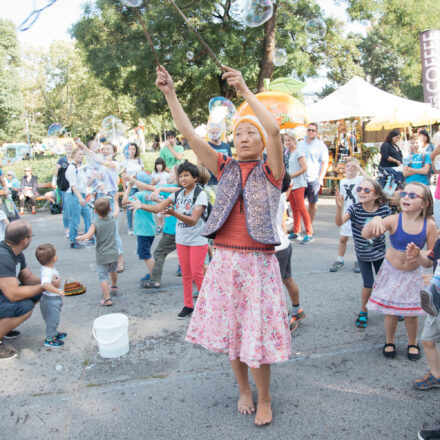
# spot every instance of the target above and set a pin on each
(10, 97)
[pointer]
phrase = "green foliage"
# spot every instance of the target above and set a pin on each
(10, 97)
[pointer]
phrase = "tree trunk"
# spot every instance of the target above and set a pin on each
(266, 66)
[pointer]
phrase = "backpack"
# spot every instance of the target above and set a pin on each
(62, 182)
(197, 190)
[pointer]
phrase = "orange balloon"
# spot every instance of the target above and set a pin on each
(287, 110)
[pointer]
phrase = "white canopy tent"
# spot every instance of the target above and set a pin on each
(358, 98)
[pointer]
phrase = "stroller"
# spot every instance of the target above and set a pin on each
(391, 180)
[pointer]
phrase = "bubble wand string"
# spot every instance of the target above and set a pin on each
(210, 52)
(138, 15)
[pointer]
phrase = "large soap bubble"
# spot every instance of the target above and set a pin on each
(132, 3)
(112, 123)
(316, 28)
(55, 130)
(221, 108)
(257, 12)
(279, 57)
(113, 130)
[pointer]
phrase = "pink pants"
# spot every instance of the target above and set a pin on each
(191, 259)
(299, 210)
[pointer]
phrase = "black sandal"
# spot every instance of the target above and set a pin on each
(414, 356)
(389, 354)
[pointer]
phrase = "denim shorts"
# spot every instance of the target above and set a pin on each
(14, 309)
(105, 269)
(312, 191)
(144, 246)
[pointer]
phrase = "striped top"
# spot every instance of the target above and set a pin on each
(367, 250)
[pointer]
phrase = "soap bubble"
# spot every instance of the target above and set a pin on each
(190, 55)
(279, 57)
(132, 3)
(257, 12)
(221, 108)
(113, 130)
(56, 130)
(112, 123)
(316, 28)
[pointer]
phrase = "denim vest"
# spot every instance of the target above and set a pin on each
(261, 199)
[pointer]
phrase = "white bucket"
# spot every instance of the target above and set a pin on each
(111, 333)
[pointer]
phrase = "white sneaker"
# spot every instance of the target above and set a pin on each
(130, 232)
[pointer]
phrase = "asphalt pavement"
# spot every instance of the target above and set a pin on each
(337, 384)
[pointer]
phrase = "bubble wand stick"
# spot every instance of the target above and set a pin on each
(210, 52)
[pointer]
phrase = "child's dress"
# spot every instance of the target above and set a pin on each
(397, 292)
(241, 309)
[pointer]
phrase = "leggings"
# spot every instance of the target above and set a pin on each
(366, 268)
(191, 259)
(299, 210)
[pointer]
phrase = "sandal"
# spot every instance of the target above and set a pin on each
(362, 320)
(414, 356)
(114, 290)
(389, 354)
(106, 302)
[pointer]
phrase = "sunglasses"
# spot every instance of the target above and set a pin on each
(30, 236)
(310, 129)
(411, 196)
(359, 189)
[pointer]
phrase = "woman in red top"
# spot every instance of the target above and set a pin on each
(241, 308)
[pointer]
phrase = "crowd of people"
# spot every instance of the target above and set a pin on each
(226, 219)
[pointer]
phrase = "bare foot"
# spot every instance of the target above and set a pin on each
(264, 414)
(245, 404)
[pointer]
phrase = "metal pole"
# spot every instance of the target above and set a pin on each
(27, 127)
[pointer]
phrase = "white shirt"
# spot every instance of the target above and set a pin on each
(72, 176)
(316, 153)
(132, 167)
(163, 177)
(279, 222)
(46, 275)
(3, 224)
(348, 190)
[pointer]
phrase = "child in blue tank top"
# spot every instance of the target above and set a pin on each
(396, 291)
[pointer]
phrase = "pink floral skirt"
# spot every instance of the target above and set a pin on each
(397, 292)
(241, 309)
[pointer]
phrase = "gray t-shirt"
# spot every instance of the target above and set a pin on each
(294, 166)
(106, 248)
(185, 234)
(10, 264)
(316, 153)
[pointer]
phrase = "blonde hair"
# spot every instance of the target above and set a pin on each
(428, 210)
(204, 175)
(352, 159)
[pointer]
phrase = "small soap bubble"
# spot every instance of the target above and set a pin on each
(257, 12)
(279, 57)
(316, 28)
(190, 55)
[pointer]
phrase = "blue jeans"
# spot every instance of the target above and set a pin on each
(112, 206)
(77, 211)
(66, 216)
(129, 211)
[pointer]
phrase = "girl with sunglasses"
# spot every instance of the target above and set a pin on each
(369, 253)
(396, 291)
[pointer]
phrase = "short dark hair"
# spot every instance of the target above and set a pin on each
(391, 134)
(190, 167)
(136, 154)
(45, 253)
(17, 231)
(158, 161)
(426, 134)
(314, 124)
(170, 133)
(102, 206)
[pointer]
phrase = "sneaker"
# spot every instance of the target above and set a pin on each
(293, 325)
(130, 232)
(186, 312)
(145, 281)
(296, 318)
(336, 266)
(427, 382)
(6, 352)
(356, 268)
(12, 334)
(430, 300)
(307, 239)
(76, 245)
(60, 336)
(429, 435)
(294, 236)
(53, 342)
(146, 277)
(179, 271)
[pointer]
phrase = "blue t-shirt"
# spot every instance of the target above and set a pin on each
(144, 224)
(169, 226)
(223, 148)
(416, 162)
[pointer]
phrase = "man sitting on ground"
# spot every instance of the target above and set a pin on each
(20, 289)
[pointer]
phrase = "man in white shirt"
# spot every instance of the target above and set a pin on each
(316, 154)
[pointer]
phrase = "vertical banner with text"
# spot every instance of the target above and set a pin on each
(430, 54)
